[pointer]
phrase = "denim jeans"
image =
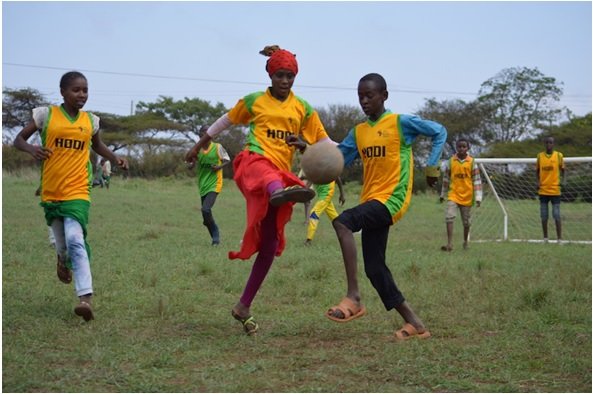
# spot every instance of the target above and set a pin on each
(70, 243)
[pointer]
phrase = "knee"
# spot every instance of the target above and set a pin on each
(556, 212)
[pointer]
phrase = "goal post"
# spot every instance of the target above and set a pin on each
(510, 204)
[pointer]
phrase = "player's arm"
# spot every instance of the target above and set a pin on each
(412, 126)
(445, 185)
(20, 142)
(477, 183)
(220, 125)
(102, 150)
(348, 148)
(342, 197)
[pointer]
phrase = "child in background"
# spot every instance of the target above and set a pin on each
(67, 135)
(325, 194)
(384, 145)
(105, 173)
(278, 122)
(462, 187)
(550, 178)
(211, 159)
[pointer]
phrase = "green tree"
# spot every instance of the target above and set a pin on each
(17, 105)
(572, 138)
(192, 113)
(338, 119)
(460, 118)
(519, 103)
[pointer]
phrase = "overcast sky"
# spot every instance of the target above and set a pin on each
(137, 51)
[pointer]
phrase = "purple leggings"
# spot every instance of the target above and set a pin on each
(265, 256)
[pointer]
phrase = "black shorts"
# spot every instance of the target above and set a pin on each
(368, 215)
(546, 199)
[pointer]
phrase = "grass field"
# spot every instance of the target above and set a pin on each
(505, 317)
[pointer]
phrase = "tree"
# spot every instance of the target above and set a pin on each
(339, 119)
(519, 102)
(17, 105)
(192, 113)
(460, 118)
(572, 138)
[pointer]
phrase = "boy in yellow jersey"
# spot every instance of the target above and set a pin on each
(462, 187)
(211, 159)
(324, 204)
(278, 121)
(550, 178)
(67, 135)
(384, 145)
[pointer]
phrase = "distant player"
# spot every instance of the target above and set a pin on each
(550, 178)
(211, 159)
(462, 187)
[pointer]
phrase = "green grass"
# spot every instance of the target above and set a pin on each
(505, 317)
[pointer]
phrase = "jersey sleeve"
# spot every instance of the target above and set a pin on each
(313, 130)
(95, 121)
(222, 153)
(239, 114)
(40, 115)
(349, 148)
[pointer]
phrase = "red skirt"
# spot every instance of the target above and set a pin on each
(253, 173)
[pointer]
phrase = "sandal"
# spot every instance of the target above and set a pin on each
(64, 274)
(349, 309)
(408, 331)
(249, 324)
(294, 193)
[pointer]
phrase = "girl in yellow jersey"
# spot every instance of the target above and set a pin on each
(462, 187)
(278, 121)
(384, 145)
(549, 170)
(67, 135)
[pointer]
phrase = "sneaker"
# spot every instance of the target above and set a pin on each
(64, 273)
(291, 194)
(84, 310)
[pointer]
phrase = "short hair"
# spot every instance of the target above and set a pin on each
(69, 77)
(377, 78)
(462, 139)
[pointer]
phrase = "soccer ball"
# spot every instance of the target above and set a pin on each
(322, 163)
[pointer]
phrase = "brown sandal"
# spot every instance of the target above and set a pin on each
(64, 273)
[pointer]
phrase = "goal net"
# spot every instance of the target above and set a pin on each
(510, 204)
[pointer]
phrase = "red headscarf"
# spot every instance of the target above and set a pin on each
(282, 59)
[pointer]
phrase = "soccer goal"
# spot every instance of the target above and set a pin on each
(510, 205)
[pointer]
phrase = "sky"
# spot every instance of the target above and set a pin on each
(139, 51)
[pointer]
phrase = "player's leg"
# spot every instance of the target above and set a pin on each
(543, 211)
(261, 266)
(208, 202)
(81, 268)
(466, 220)
(316, 212)
(450, 215)
(556, 216)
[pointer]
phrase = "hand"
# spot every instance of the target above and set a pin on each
(190, 156)
(122, 163)
(293, 140)
(342, 200)
(191, 165)
(40, 153)
(431, 181)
